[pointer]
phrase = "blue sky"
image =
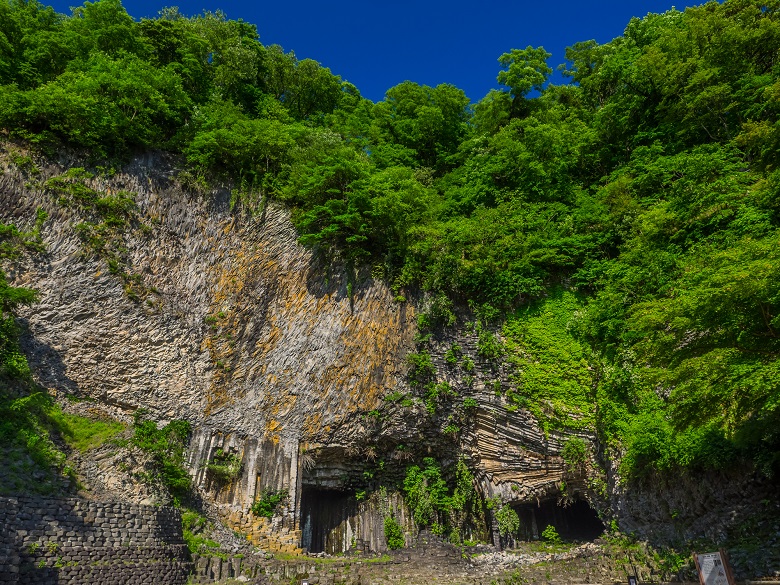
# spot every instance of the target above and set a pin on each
(376, 45)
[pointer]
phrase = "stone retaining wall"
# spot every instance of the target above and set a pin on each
(71, 541)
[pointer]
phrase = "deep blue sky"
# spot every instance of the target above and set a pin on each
(376, 45)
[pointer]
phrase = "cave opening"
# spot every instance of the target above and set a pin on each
(325, 520)
(576, 521)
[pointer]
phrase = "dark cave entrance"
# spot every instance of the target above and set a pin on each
(577, 521)
(325, 518)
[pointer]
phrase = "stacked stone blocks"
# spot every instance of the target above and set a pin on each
(261, 532)
(71, 541)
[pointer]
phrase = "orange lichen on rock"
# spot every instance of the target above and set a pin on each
(283, 339)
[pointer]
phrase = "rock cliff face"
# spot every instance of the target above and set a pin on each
(242, 329)
(229, 323)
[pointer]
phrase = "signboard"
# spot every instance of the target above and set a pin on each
(713, 568)
(632, 580)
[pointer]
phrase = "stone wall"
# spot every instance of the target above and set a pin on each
(70, 541)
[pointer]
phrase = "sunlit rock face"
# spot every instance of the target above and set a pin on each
(221, 317)
(239, 325)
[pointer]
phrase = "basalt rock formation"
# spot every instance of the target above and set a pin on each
(217, 315)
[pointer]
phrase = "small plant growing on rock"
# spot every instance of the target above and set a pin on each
(550, 534)
(575, 454)
(268, 503)
(394, 534)
(452, 354)
(470, 403)
(395, 396)
(422, 368)
(488, 345)
(224, 466)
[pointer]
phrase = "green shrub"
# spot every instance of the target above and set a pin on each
(575, 454)
(452, 355)
(550, 534)
(488, 345)
(433, 392)
(508, 521)
(193, 524)
(166, 449)
(224, 466)
(426, 492)
(451, 429)
(394, 534)
(395, 396)
(422, 368)
(268, 503)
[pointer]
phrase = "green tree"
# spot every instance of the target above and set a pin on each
(34, 47)
(523, 70)
(229, 144)
(109, 105)
(429, 122)
(103, 26)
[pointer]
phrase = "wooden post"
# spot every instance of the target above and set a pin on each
(698, 568)
(727, 565)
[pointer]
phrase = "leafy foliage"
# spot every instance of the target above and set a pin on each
(433, 503)
(508, 521)
(194, 527)
(550, 535)
(394, 534)
(553, 379)
(575, 454)
(422, 368)
(165, 446)
(268, 503)
(224, 466)
(624, 226)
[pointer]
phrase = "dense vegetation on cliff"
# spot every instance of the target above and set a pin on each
(624, 228)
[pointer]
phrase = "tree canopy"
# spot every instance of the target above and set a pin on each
(647, 188)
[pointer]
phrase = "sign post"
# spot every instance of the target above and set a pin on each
(713, 568)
